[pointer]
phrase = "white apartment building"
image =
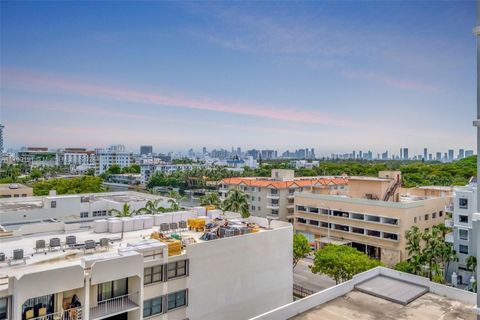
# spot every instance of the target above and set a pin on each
(102, 274)
(462, 237)
(274, 196)
(115, 155)
(25, 212)
(77, 156)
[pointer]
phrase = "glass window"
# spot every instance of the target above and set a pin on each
(463, 249)
(53, 204)
(463, 203)
(84, 214)
(177, 269)
(33, 306)
(152, 307)
(434, 215)
(112, 289)
(152, 274)
(426, 217)
(463, 234)
(177, 299)
(463, 219)
(3, 308)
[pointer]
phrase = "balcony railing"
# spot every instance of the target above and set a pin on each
(113, 306)
(449, 223)
(273, 196)
(69, 314)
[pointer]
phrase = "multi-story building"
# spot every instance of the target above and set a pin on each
(117, 271)
(462, 237)
(146, 150)
(373, 216)
(77, 156)
(115, 155)
(273, 197)
(39, 157)
(15, 190)
(28, 211)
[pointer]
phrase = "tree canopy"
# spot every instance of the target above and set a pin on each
(341, 262)
(85, 184)
(300, 248)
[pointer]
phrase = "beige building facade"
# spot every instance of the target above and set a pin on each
(274, 196)
(373, 216)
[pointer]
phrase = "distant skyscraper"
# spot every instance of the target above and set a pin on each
(451, 153)
(1, 138)
(438, 156)
(430, 157)
(405, 153)
(401, 154)
(146, 150)
(461, 153)
(468, 153)
(425, 153)
(204, 150)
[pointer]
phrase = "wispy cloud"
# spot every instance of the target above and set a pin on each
(28, 80)
(390, 80)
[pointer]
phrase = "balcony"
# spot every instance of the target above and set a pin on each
(114, 306)
(273, 196)
(449, 223)
(449, 238)
(273, 206)
(69, 314)
(290, 195)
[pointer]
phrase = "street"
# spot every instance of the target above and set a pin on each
(302, 276)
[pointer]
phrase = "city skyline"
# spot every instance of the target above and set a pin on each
(178, 75)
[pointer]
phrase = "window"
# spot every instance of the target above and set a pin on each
(84, 199)
(177, 299)
(275, 212)
(463, 249)
(434, 215)
(463, 219)
(53, 204)
(84, 214)
(253, 208)
(177, 269)
(426, 217)
(259, 199)
(301, 208)
(463, 234)
(414, 219)
(3, 308)
(112, 289)
(463, 203)
(301, 220)
(152, 307)
(313, 222)
(440, 214)
(153, 274)
(33, 305)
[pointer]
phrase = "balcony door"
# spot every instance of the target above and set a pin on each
(112, 289)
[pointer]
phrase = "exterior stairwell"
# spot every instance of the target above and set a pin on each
(393, 188)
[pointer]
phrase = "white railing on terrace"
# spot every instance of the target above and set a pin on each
(69, 314)
(114, 306)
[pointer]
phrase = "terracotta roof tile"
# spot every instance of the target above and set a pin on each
(303, 182)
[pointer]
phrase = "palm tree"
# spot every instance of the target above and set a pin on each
(173, 205)
(413, 236)
(211, 199)
(472, 263)
(447, 254)
(237, 201)
(152, 207)
(125, 212)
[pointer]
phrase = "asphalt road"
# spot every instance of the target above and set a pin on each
(303, 277)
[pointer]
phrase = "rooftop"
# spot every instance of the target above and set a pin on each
(381, 293)
(12, 186)
(295, 182)
(361, 306)
(60, 257)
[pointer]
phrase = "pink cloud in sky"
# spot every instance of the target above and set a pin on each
(29, 80)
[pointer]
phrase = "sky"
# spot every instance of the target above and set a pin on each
(333, 75)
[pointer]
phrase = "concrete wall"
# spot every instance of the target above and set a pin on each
(240, 277)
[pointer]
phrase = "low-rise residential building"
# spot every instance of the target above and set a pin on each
(24, 211)
(15, 190)
(39, 157)
(118, 271)
(373, 216)
(77, 156)
(115, 155)
(462, 237)
(274, 196)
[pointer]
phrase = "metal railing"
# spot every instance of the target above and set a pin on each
(301, 292)
(114, 305)
(69, 314)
